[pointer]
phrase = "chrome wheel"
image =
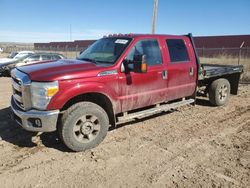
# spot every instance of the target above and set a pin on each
(86, 128)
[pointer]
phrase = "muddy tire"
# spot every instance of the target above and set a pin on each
(219, 92)
(83, 126)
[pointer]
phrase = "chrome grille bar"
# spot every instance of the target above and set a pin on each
(16, 86)
(18, 98)
(21, 91)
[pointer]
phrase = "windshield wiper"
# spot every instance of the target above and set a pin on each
(88, 59)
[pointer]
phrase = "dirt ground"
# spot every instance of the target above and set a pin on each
(199, 146)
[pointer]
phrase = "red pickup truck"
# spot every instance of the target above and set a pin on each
(117, 79)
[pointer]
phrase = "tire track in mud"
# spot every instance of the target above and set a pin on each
(176, 158)
(203, 144)
(18, 159)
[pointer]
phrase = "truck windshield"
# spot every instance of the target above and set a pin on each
(105, 50)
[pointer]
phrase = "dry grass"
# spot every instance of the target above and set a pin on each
(3, 55)
(228, 60)
(68, 54)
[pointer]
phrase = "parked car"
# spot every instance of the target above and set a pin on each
(5, 68)
(117, 79)
(38, 57)
(22, 54)
(14, 56)
(1, 50)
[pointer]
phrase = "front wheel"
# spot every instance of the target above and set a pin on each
(83, 126)
(219, 92)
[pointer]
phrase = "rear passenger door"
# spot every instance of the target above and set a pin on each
(181, 68)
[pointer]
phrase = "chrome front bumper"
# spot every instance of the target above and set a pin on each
(34, 120)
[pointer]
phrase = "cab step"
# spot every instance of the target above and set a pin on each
(155, 110)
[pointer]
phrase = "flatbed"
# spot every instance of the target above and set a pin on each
(215, 70)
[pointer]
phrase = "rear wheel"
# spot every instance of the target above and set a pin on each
(83, 126)
(219, 92)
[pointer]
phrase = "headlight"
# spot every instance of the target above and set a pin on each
(42, 92)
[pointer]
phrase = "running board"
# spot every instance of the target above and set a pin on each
(155, 110)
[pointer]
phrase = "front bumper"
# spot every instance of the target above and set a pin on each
(34, 120)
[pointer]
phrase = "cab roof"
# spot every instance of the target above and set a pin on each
(131, 35)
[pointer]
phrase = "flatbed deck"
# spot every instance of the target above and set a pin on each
(216, 70)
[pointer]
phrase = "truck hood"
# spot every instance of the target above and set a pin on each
(60, 70)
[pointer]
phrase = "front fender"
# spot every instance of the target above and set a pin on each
(71, 89)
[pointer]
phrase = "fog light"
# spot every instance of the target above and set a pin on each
(35, 122)
(38, 123)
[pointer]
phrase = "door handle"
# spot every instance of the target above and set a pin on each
(191, 71)
(164, 75)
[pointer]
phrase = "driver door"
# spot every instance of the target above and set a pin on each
(144, 89)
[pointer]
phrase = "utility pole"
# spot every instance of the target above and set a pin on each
(155, 9)
(70, 33)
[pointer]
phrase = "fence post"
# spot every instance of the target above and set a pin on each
(242, 44)
(66, 48)
(76, 50)
(222, 51)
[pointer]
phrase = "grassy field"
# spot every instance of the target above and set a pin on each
(3, 55)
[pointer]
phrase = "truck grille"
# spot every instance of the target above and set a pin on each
(21, 91)
(17, 92)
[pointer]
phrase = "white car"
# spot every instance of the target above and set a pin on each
(22, 54)
(38, 57)
(1, 50)
(18, 56)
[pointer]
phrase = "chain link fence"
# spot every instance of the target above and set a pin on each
(226, 56)
(203, 52)
(238, 54)
(69, 52)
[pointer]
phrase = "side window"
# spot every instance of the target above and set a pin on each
(177, 50)
(46, 57)
(56, 57)
(148, 47)
(33, 58)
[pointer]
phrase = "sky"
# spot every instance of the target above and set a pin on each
(51, 20)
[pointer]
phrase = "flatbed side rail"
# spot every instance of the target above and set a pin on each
(217, 70)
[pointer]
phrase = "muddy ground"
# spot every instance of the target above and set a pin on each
(199, 146)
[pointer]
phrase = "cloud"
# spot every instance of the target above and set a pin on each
(26, 36)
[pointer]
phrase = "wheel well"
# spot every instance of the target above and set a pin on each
(97, 98)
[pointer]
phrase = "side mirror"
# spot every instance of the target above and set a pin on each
(140, 63)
